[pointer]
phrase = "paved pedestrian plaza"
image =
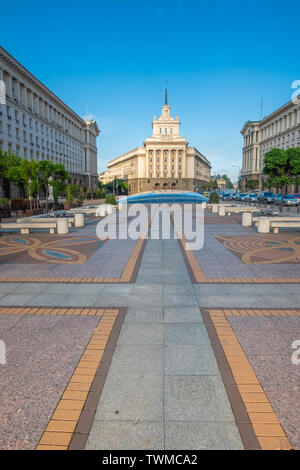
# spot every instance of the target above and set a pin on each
(143, 344)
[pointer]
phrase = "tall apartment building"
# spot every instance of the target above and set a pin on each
(37, 125)
(280, 129)
(165, 161)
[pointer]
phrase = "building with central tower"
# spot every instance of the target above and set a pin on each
(164, 162)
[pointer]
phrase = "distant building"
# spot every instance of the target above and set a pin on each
(165, 161)
(37, 125)
(221, 182)
(280, 129)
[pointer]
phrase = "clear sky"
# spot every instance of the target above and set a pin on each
(219, 57)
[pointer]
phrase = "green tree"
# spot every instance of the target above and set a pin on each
(117, 185)
(28, 175)
(213, 184)
(10, 167)
(252, 184)
(214, 198)
(229, 184)
(49, 172)
(282, 168)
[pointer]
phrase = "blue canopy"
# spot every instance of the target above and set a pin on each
(168, 198)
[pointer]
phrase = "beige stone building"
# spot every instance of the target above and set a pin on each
(165, 161)
(280, 129)
(37, 125)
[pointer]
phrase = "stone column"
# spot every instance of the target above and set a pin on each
(9, 86)
(221, 210)
(62, 226)
(263, 225)
(79, 220)
(246, 219)
(147, 164)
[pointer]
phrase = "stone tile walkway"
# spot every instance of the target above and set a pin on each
(164, 389)
(163, 382)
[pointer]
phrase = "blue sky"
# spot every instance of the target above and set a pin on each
(219, 58)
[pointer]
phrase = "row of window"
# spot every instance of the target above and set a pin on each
(266, 134)
(45, 145)
(36, 155)
(165, 152)
(29, 99)
(22, 119)
(158, 175)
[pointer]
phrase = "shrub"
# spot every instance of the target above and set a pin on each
(100, 193)
(110, 199)
(4, 203)
(214, 198)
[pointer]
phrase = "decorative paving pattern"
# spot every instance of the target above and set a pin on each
(225, 259)
(119, 258)
(78, 257)
(258, 352)
(47, 249)
(43, 398)
(265, 249)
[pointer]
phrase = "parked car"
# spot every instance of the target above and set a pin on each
(242, 197)
(277, 199)
(297, 196)
(253, 197)
(266, 197)
(288, 200)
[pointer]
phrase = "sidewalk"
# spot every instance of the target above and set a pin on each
(164, 389)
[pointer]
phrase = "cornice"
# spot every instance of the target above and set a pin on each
(20, 69)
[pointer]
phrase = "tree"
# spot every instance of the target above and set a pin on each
(28, 177)
(229, 184)
(117, 185)
(252, 184)
(282, 168)
(213, 184)
(49, 172)
(10, 167)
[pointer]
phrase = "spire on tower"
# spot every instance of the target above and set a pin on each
(166, 93)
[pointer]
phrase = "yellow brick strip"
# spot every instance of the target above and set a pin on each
(60, 429)
(58, 311)
(129, 268)
(199, 275)
(266, 425)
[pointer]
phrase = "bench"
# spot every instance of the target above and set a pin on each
(277, 219)
(276, 225)
(238, 210)
(26, 226)
(35, 220)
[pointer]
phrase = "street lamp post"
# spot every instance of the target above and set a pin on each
(237, 166)
(29, 193)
